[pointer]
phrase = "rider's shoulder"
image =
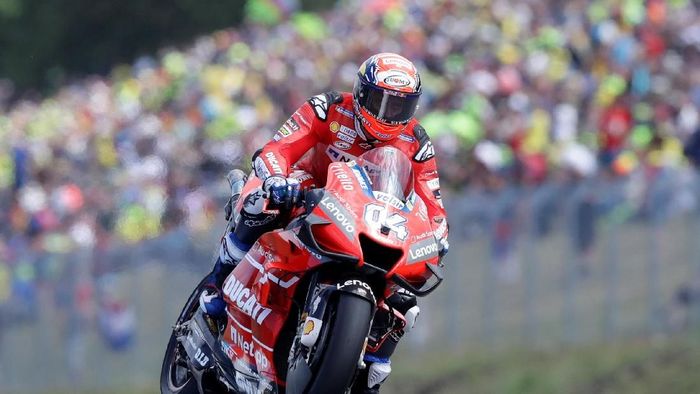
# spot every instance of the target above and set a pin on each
(422, 146)
(321, 103)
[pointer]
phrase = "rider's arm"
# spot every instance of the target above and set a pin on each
(427, 182)
(292, 140)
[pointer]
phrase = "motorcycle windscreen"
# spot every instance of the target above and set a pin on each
(389, 171)
(390, 174)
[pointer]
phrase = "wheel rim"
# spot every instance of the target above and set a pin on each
(178, 374)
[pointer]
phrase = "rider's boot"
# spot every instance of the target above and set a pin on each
(378, 364)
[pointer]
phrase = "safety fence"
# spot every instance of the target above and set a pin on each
(567, 262)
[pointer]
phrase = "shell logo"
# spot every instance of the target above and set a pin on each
(308, 327)
(334, 126)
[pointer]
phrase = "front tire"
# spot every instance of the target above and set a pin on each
(335, 357)
(176, 378)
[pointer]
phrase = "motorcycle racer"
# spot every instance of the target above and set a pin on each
(333, 127)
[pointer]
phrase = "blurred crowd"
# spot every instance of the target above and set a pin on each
(515, 93)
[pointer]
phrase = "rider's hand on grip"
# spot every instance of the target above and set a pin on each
(282, 192)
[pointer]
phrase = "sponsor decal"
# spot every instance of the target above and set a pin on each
(302, 118)
(423, 250)
(201, 358)
(385, 136)
(434, 184)
(302, 176)
(345, 181)
(345, 112)
(366, 145)
(334, 126)
(337, 155)
(308, 327)
(228, 350)
(354, 282)
(388, 199)
(424, 235)
(346, 138)
(360, 179)
(407, 138)
(272, 159)
(276, 137)
(249, 349)
(425, 153)
(320, 105)
(397, 80)
(397, 62)
(348, 131)
(292, 124)
(342, 145)
(245, 300)
(340, 215)
(437, 194)
(284, 131)
(262, 222)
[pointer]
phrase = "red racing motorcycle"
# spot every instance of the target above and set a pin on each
(301, 303)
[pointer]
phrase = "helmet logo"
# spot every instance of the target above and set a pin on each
(397, 80)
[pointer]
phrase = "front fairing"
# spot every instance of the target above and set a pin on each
(373, 228)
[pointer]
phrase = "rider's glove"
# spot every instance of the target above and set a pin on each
(211, 302)
(282, 191)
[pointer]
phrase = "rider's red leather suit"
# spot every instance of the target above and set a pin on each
(323, 131)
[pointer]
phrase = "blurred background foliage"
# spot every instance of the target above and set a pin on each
(45, 43)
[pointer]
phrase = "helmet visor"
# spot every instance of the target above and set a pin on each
(386, 105)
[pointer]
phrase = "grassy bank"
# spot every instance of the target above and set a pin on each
(631, 367)
(664, 366)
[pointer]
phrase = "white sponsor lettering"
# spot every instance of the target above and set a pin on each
(201, 358)
(343, 178)
(354, 282)
(245, 300)
(397, 80)
(406, 138)
(348, 131)
(434, 184)
(340, 156)
(274, 163)
(360, 178)
(423, 251)
(342, 145)
(249, 348)
(345, 112)
(397, 61)
(388, 199)
(346, 138)
(339, 216)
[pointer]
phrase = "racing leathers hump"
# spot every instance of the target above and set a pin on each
(323, 130)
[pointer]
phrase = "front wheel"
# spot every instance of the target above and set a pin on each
(175, 376)
(335, 356)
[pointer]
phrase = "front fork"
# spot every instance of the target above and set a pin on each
(317, 300)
